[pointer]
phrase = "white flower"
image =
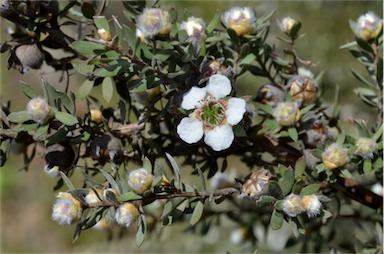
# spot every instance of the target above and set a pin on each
(242, 20)
(151, 22)
(195, 28)
(312, 205)
(67, 210)
(212, 117)
(369, 26)
(287, 23)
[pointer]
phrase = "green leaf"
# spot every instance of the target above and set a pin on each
(88, 10)
(147, 165)
(42, 130)
(277, 220)
(84, 90)
(88, 48)
(287, 181)
(19, 117)
(109, 71)
(67, 181)
(101, 23)
(265, 201)
(346, 174)
(28, 90)
(67, 102)
(213, 24)
(364, 45)
(197, 213)
(248, 59)
(300, 167)
(360, 77)
(107, 88)
(275, 190)
(367, 166)
(111, 180)
(292, 132)
(310, 189)
(82, 67)
(233, 35)
(128, 196)
(65, 118)
(175, 168)
(141, 230)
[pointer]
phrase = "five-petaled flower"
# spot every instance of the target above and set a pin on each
(213, 117)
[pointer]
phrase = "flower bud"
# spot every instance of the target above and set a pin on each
(270, 95)
(242, 20)
(292, 205)
(140, 180)
(303, 89)
(29, 56)
(105, 148)
(126, 214)
(153, 21)
(94, 196)
(286, 25)
(39, 110)
(311, 204)
(368, 26)
(108, 192)
(102, 224)
(257, 183)
(67, 210)
(365, 148)
(104, 34)
(287, 114)
(335, 156)
(96, 115)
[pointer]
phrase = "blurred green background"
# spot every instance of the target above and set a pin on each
(27, 197)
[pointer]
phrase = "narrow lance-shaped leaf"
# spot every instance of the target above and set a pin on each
(197, 213)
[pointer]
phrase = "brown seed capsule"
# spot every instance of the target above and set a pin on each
(303, 89)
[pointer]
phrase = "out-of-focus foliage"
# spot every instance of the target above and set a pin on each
(173, 98)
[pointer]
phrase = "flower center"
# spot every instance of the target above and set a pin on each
(212, 113)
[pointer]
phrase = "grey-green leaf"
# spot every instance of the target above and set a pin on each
(107, 88)
(66, 118)
(19, 117)
(197, 213)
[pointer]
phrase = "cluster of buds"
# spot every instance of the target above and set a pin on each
(335, 156)
(39, 110)
(287, 113)
(293, 205)
(140, 180)
(67, 210)
(241, 20)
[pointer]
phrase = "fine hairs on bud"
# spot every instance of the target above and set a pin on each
(29, 56)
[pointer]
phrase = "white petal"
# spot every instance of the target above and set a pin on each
(219, 86)
(220, 138)
(192, 97)
(190, 130)
(235, 110)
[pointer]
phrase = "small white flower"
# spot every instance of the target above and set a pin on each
(212, 117)
(292, 205)
(368, 26)
(195, 28)
(287, 23)
(242, 20)
(67, 210)
(151, 22)
(312, 205)
(126, 214)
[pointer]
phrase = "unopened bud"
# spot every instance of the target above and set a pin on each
(39, 110)
(365, 148)
(292, 205)
(240, 235)
(67, 210)
(195, 29)
(29, 56)
(286, 25)
(153, 21)
(94, 196)
(311, 204)
(126, 214)
(140, 180)
(241, 20)
(369, 26)
(335, 156)
(96, 115)
(270, 95)
(104, 34)
(287, 114)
